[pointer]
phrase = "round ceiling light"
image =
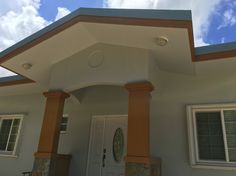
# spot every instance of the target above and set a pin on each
(27, 66)
(161, 41)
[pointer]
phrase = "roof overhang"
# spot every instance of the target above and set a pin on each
(79, 27)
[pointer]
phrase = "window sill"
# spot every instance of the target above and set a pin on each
(216, 167)
(8, 156)
(63, 132)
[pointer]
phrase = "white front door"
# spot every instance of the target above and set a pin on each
(107, 146)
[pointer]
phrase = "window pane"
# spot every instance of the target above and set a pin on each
(230, 126)
(210, 136)
(4, 133)
(16, 122)
(64, 122)
(13, 135)
(10, 146)
(63, 128)
(64, 119)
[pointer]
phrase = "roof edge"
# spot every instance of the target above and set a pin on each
(178, 15)
(13, 80)
(217, 51)
(136, 13)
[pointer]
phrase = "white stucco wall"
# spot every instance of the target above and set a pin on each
(168, 127)
(97, 100)
(94, 101)
(117, 65)
(168, 121)
(33, 105)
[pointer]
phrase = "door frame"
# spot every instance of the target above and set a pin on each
(91, 132)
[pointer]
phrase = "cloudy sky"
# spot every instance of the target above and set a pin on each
(214, 21)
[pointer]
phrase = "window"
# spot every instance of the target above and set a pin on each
(64, 123)
(10, 126)
(212, 135)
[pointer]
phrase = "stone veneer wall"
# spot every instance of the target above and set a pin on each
(141, 169)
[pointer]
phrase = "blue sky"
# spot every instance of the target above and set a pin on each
(223, 24)
(48, 8)
(222, 21)
(214, 21)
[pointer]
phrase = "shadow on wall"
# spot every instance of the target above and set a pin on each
(93, 100)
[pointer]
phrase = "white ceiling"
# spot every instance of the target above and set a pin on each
(82, 35)
(174, 57)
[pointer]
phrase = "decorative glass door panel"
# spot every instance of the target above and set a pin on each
(118, 145)
(111, 142)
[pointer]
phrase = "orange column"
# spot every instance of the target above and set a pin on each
(50, 131)
(138, 122)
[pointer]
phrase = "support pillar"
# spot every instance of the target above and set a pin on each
(46, 157)
(138, 161)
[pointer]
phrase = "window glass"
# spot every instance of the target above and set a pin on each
(9, 132)
(64, 123)
(210, 136)
(13, 135)
(4, 133)
(230, 127)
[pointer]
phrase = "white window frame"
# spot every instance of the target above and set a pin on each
(12, 117)
(64, 132)
(192, 136)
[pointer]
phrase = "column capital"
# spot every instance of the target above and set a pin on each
(139, 86)
(56, 94)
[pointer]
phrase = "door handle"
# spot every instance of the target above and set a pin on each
(104, 158)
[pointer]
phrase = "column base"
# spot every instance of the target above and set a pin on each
(150, 167)
(46, 164)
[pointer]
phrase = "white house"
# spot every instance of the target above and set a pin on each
(110, 92)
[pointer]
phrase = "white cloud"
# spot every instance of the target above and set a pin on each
(7, 5)
(15, 26)
(229, 19)
(19, 20)
(23, 21)
(4, 72)
(223, 40)
(61, 12)
(138, 4)
(200, 42)
(201, 11)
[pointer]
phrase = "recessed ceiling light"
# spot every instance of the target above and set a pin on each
(161, 41)
(27, 66)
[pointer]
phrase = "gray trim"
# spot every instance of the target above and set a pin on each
(137, 13)
(11, 78)
(215, 48)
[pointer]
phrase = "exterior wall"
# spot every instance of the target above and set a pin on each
(168, 121)
(168, 109)
(33, 105)
(98, 100)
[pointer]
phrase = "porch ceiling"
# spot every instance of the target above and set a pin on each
(174, 57)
